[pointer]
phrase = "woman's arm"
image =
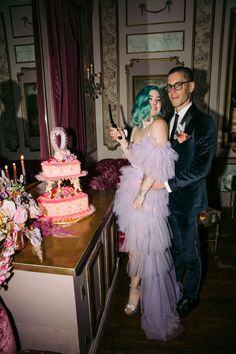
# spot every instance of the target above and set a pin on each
(159, 131)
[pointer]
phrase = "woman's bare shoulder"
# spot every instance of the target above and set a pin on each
(159, 130)
(159, 122)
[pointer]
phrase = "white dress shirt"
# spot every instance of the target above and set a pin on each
(181, 115)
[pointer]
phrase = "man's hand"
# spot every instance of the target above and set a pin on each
(158, 185)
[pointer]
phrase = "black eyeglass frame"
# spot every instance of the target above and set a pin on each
(181, 83)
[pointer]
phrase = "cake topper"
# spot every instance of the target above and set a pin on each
(60, 151)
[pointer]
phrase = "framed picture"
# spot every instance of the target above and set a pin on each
(21, 21)
(24, 53)
(155, 42)
(29, 107)
(151, 71)
(158, 80)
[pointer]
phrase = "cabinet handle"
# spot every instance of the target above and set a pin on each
(82, 292)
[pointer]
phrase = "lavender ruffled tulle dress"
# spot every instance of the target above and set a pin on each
(148, 236)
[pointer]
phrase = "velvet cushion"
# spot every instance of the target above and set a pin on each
(107, 174)
(7, 339)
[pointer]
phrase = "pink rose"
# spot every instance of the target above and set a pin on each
(21, 215)
(9, 243)
(8, 208)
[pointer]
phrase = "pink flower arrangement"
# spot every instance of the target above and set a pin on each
(18, 212)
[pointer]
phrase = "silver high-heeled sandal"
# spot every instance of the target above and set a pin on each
(131, 309)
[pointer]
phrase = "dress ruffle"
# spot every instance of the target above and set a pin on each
(148, 236)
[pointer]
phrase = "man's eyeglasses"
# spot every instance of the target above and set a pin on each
(177, 86)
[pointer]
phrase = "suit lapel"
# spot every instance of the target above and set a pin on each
(186, 119)
(189, 115)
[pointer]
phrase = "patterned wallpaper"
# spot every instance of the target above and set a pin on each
(202, 51)
(110, 65)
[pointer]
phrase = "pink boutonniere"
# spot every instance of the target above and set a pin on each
(180, 135)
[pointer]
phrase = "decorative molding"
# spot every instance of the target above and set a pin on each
(140, 12)
(176, 59)
(24, 53)
(167, 6)
(131, 64)
(21, 20)
(170, 41)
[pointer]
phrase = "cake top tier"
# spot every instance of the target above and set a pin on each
(61, 152)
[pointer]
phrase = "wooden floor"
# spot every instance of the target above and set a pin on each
(209, 329)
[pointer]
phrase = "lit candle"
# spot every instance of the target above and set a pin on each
(6, 171)
(91, 69)
(88, 73)
(14, 170)
(22, 165)
(100, 77)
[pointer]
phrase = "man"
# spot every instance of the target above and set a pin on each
(193, 136)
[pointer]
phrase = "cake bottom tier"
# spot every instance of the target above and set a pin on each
(66, 209)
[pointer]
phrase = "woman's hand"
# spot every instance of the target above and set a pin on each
(138, 202)
(117, 134)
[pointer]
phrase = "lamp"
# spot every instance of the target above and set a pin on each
(94, 82)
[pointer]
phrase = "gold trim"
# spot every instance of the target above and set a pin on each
(94, 316)
(110, 240)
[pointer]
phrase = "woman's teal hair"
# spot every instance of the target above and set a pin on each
(141, 109)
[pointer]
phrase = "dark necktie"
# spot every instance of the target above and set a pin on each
(174, 127)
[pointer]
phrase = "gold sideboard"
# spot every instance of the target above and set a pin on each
(62, 303)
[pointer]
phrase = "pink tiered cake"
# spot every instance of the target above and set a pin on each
(63, 204)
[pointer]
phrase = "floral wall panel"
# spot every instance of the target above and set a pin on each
(110, 65)
(202, 51)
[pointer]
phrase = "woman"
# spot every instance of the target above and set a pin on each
(142, 215)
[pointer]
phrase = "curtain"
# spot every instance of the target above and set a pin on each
(65, 51)
(66, 70)
(44, 151)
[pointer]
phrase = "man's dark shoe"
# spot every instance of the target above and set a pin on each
(185, 306)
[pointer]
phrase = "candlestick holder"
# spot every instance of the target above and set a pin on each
(94, 85)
